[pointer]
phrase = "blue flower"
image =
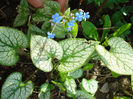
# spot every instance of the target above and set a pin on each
(71, 23)
(86, 16)
(79, 16)
(56, 18)
(68, 29)
(63, 20)
(50, 35)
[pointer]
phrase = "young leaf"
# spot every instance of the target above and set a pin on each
(90, 86)
(10, 41)
(44, 92)
(122, 98)
(46, 26)
(115, 75)
(119, 59)
(83, 95)
(42, 52)
(74, 31)
(14, 88)
(20, 19)
(89, 30)
(67, 12)
(70, 85)
(121, 30)
(88, 66)
(76, 74)
(23, 13)
(76, 53)
(107, 23)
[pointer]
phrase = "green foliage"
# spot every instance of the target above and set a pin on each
(122, 98)
(23, 13)
(83, 95)
(119, 58)
(89, 86)
(76, 53)
(88, 66)
(76, 74)
(67, 12)
(46, 26)
(132, 82)
(67, 56)
(74, 31)
(10, 41)
(71, 86)
(60, 31)
(14, 88)
(107, 24)
(42, 52)
(121, 30)
(115, 75)
(89, 30)
(44, 14)
(44, 91)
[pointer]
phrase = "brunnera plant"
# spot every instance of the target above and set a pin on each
(72, 53)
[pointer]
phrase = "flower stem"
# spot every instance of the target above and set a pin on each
(53, 28)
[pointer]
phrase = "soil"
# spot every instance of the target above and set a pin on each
(120, 86)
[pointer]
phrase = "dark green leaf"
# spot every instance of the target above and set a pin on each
(89, 30)
(117, 16)
(23, 13)
(46, 26)
(59, 31)
(107, 24)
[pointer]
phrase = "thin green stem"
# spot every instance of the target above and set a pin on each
(53, 28)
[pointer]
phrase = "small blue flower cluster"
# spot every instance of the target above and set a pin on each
(70, 25)
(56, 19)
(50, 35)
(82, 16)
(79, 16)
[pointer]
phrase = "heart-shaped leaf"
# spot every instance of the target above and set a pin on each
(14, 88)
(44, 92)
(90, 86)
(120, 57)
(42, 52)
(10, 41)
(76, 53)
(76, 74)
(70, 85)
(83, 95)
